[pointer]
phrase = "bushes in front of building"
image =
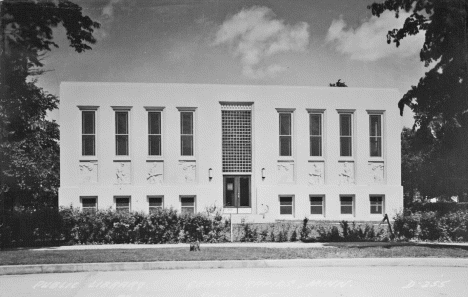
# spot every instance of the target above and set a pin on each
(432, 226)
(310, 232)
(48, 226)
(161, 226)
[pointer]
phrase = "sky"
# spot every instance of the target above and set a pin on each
(293, 42)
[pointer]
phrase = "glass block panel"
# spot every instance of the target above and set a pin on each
(237, 140)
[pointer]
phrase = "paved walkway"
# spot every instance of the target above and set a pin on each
(242, 244)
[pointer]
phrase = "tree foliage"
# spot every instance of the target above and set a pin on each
(29, 149)
(338, 84)
(440, 100)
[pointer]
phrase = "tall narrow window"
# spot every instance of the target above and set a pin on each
(345, 135)
(375, 133)
(121, 133)
(154, 133)
(285, 134)
(286, 205)
(347, 206)
(88, 131)
(315, 131)
(122, 204)
(186, 133)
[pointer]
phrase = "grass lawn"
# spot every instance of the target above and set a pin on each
(19, 257)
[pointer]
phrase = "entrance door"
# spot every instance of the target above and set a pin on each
(236, 191)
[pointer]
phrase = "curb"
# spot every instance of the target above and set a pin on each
(161, 265)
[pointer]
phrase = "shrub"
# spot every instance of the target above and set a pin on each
(405, 225)
(249, 234)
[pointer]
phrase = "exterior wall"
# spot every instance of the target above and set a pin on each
(288, 176)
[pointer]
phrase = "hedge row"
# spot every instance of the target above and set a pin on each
(72, 226)
(432, 225)
(24, 227)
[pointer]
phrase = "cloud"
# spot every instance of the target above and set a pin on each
(106, 19)
(255, 34)
(368, 42)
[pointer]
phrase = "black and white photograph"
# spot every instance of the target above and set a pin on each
(226, 148)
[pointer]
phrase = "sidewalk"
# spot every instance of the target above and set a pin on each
(244, 244)
(230, 264)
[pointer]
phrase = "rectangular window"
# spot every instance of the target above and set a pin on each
(316, 205)
(286, 205)
(89, 204)
(122, 204)
(315, 131)
(187, 205)
(347, 205)
(154, 133)
(186, 133)
(376, 205)
(121, 133)
(155, 203)
(285, 134)
(345, 135)
(88, 133)
(375, 133)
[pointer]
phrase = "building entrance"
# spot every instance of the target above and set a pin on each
(236, 191)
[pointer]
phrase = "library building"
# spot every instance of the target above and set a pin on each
(261, 153)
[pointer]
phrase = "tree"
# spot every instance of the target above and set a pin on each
(440, 100)
(29, 149)
(338, 84)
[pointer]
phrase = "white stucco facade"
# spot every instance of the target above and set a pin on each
(270, 179)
